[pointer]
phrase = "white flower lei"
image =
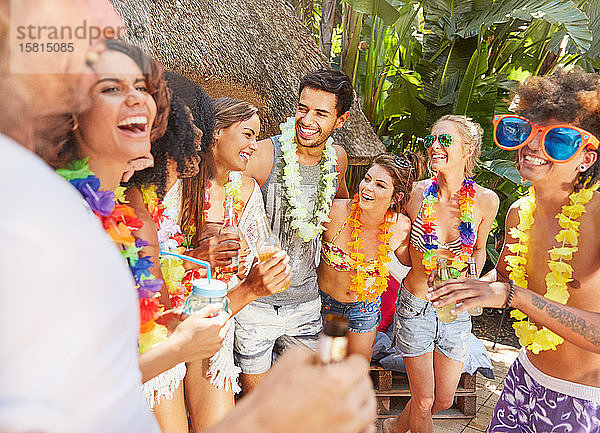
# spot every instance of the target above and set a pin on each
(307, 229)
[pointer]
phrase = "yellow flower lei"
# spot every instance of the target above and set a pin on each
(530, 336)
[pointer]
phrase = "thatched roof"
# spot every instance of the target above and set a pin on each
(250, 49)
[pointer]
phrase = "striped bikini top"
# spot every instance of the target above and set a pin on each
(416, 238)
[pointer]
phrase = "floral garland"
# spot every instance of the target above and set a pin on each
(170, 239)
(359, 281)
(307, 229)
(119, 220)
(560, 273)
(466, 204)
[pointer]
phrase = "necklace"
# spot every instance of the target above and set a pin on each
(466, 203)
(119, 221)
(308, 226)
(170, 239)
(378, 270)
(530, 336)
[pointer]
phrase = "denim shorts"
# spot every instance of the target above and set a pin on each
(418, 330)
(362, 316)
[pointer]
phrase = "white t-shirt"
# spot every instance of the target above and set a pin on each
(68, 310)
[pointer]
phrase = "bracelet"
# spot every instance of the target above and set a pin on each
(511, 293)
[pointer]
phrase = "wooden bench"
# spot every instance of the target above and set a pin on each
(393, 392)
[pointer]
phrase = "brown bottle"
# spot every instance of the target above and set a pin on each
(333, 343)
(473, 311)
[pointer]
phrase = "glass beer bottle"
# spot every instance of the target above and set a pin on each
(443, 274)
(229, 226)
(333, 342)
(267, 244)
(473, 311)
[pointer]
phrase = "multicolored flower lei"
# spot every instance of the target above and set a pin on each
(119, 220)
(308, 226)
(170, 239)
(530, 336)
(359, 281)
(466, 203)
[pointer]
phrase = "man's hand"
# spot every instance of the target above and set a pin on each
(469, 293)
(299, 395)
(199, 336)
(269, 277)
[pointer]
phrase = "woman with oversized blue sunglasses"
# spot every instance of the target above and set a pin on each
(549, 268)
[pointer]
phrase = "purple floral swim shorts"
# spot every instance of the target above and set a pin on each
(527, 406)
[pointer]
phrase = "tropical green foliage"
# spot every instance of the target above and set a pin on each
(414, 61)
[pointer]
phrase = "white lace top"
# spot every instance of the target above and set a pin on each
(253, 212)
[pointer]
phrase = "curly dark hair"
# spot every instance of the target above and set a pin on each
(331, 81)
(190, 105)
(65, 143)
(177, 144)
(567, 95)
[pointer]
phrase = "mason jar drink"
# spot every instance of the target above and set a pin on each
(205, 292)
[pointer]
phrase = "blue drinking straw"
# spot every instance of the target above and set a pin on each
(190, 259)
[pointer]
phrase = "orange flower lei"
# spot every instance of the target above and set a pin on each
(381, 274)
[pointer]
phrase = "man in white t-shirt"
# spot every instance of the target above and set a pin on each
(68, 310)
(68, 315)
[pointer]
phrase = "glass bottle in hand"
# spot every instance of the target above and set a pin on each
(443, 274)
(229, 226)
(473, 311)
(267, 244)
(333, 342)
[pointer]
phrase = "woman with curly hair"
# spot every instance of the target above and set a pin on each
(549, 267)
(451, 217)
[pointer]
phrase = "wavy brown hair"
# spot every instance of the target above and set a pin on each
(405, 169)
(66, 147)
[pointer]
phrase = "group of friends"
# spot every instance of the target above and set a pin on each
(115, 150)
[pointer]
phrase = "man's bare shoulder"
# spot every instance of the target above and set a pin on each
(247, 187)
(489, 199)
(341, 152)
(261, 162)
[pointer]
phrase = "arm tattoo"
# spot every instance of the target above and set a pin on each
(569, 320)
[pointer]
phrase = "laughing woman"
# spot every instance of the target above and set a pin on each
(130, 107)
(355, 247)
(451, 217)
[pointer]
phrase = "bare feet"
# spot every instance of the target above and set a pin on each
(388, 425)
